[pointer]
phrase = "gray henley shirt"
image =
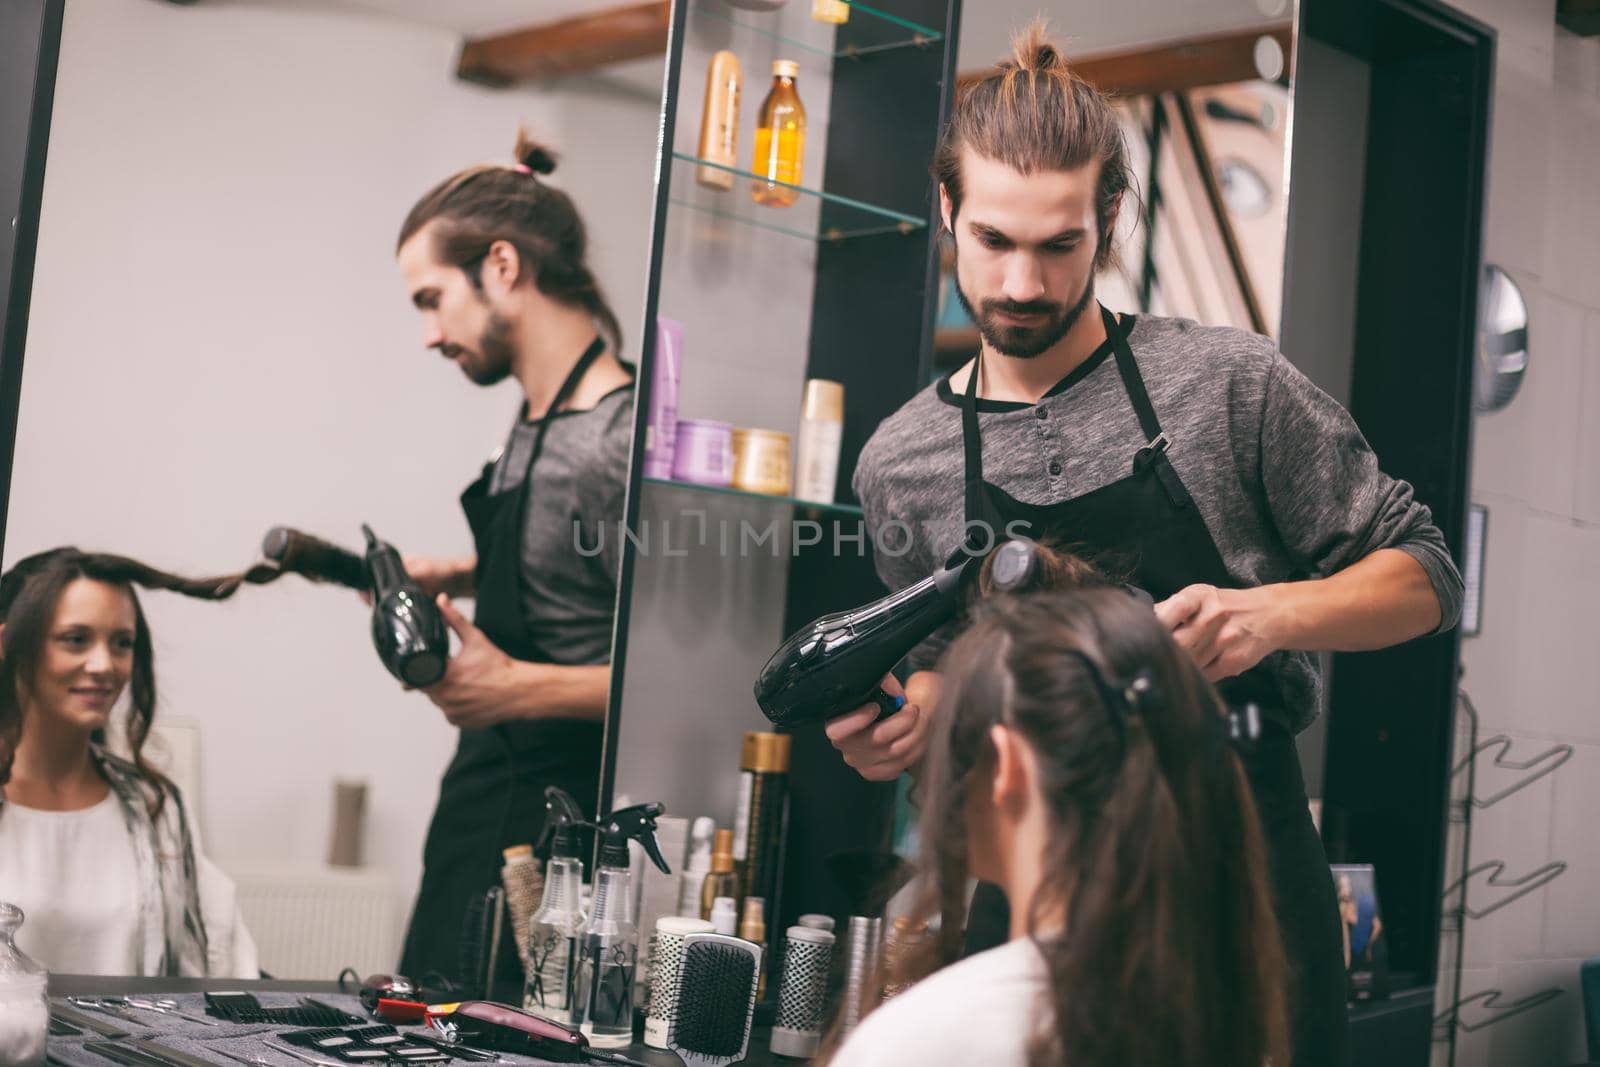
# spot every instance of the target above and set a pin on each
(1286, 484)
(571, 548)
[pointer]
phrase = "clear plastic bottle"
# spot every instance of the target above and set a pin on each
(780, 139)
(24, 1004)
(609, 949)
(553, 932)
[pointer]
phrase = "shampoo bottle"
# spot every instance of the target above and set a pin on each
(780, 139)
(719, 122)
(694, 875)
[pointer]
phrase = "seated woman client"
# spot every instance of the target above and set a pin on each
(1080, 761)
(99, 850)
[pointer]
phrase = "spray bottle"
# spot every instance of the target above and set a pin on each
(553, 929)
(609, 944)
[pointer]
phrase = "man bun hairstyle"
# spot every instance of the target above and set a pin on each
(1034, 114)
(478, 206)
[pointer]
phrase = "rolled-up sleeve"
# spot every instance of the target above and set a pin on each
(1331, 503)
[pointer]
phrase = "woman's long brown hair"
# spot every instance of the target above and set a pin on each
(29, 593)
(1170, 952)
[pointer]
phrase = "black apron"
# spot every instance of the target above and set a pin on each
(1145, 529)
(492, 794)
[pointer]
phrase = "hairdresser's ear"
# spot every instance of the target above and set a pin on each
(501, 267)
(946, 209)
(1009, 787)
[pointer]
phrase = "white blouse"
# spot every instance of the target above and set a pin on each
(74, 876)
(982, 1010)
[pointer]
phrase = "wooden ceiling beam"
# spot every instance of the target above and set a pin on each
(1218, 60)
(570, 46)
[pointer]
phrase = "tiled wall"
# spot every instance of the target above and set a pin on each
(1531, 673)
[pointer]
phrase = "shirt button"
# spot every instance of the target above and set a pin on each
(1055, 467)
(1040, 413)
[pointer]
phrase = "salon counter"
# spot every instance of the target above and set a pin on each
(190, 1037)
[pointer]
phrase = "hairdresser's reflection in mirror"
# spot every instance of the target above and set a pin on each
(1071, 726)
(98, 850)
(1195, 461)
(493, 258)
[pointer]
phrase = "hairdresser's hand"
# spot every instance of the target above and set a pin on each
(481, 686)
(1223, 630)
(881, 751)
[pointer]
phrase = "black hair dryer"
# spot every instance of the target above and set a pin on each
(834, 664)
(407, 628)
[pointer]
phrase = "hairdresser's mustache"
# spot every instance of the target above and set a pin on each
(1022, 308)
(449, 351)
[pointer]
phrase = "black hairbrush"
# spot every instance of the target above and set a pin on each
(716, 1000)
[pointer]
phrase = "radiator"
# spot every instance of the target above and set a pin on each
(311, 923)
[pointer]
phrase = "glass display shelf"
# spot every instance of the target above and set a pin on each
(846, 217)
(890, 33)
(844, 510)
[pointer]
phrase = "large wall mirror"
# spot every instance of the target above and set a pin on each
(849, 284)
(221, 342)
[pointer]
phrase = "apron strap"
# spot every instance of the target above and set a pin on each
(1154, 453)
(569, 385)
(979, 508)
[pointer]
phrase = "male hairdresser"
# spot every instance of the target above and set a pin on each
(1195, 459)
(493, 259)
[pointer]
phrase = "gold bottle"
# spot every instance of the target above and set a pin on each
(719, 123)
(830, 11)
(721, 881)
(780, 138)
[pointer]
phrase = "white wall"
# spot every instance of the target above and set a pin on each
(1531, 672)
(219, 343)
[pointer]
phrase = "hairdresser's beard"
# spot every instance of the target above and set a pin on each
(1024, 342)
(496, 353)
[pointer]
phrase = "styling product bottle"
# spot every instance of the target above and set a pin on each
(753, 928)
(821, 430)
(724, 915)
(758, 823)
(553, 929)
(609, 944)
(661, 428)
(699, 865)
(719, 122)
(721, 881)
(830, 11)
(780, 138)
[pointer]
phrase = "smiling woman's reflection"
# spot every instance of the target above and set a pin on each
(98, 850)
(494, 259)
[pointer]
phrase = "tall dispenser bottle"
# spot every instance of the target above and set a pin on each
(554, 928)
(780, 139)
(609, 944)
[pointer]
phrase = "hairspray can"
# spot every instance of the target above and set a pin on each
(758, 823)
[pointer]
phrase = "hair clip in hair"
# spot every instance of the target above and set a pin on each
(522, 168)
(1136, 692)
